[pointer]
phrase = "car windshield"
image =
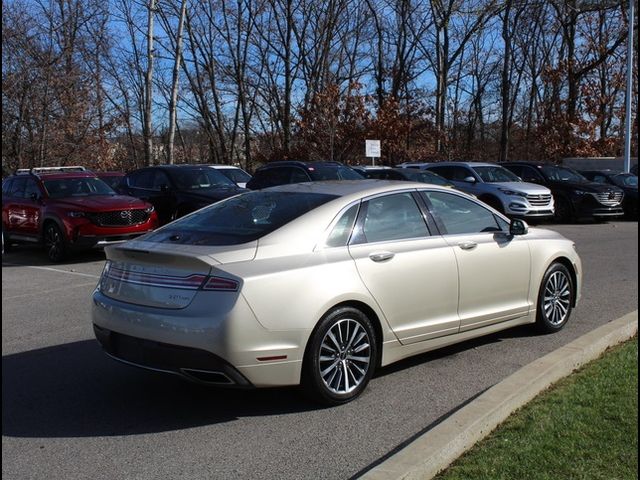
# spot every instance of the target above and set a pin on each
(197, 178)
(562, 174)
(495, 174)
(240, 219)
(77, 187)
(333, 172)
(425, 177)
(625, 180)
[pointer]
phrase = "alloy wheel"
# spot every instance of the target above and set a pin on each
(557, 298)
(345, 356)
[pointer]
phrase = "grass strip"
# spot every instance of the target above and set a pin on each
(584, 427)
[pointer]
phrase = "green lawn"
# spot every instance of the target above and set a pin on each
(585, 427)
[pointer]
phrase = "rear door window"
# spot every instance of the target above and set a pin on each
(389, 218)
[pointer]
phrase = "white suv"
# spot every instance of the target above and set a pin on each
(498, 187)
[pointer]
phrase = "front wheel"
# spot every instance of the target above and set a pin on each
(340, 358)
(555, 299)
(54, 243)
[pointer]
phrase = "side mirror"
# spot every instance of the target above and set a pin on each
(469, 179)
(34, 196)
(164, 188)
(518, 227)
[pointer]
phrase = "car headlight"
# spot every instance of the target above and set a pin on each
(149, 209)
(579, 192)
(75, 214)
(512, 193)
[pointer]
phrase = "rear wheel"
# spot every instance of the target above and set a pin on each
(54, 243)
(340, 358)
(555, 299)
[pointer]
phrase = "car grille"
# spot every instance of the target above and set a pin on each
(539, 200)
(609, 199)
(119, 218)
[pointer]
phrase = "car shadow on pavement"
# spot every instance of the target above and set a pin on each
(75, 390)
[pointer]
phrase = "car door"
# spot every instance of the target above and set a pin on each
(411, 274)
(494, 267)
(22, 205)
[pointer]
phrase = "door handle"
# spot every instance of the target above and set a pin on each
(468, 245)
(381, 256)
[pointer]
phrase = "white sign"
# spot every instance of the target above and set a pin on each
(372, 148)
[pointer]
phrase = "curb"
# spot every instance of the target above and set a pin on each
(435, 450)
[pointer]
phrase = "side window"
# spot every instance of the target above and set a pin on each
(341, 231)
(143, 179)
(530, 175)
(446, 172)
(17, 187)
(6, 186)
(31, 188)
(298, 176)
(391, 217)
(461, 215)
(517, 169)
(274, 176)
(460, 173)
(159, 179)
(600, 179)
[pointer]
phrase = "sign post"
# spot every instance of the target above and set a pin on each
(372, 149)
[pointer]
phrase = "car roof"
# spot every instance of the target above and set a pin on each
(110, 174)
(219, 166)
(55, 175)
(297, 163)
(464, 164)
(532, 164)
(353, 188)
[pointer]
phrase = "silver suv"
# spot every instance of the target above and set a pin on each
(498, 187)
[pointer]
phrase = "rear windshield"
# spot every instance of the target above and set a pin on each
(334, 172)
(77, 187)
(235, 175)
(240, 219)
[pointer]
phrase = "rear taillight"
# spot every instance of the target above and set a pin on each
(220, 284)
(189, 282)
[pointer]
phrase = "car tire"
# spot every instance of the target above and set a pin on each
(563, 210)
(340, 358)
(555, 299)
(54, 243)
(7, 246)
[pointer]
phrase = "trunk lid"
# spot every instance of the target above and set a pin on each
(165, 275)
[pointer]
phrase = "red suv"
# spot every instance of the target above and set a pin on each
(67, 208)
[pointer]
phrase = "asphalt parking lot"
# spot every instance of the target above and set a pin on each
(68, 411)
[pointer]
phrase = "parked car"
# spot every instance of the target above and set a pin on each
(113, 179)
(406, 174)
(176, 190)
(576, 197)
(498, 188)
(233, 173)
(322, 283)
(285, 172)
(626, 181)
(69, 208)
(415, 165)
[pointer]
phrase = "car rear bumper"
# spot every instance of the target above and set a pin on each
(229, 348)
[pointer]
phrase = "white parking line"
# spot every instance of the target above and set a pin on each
(43, 292)
(52, 270)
